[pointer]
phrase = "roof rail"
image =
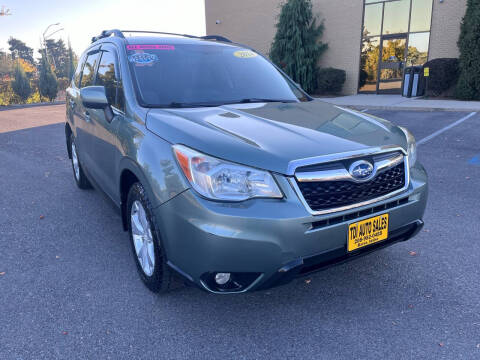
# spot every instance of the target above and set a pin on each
(216, 37)
(208, 37)
(119, 33)
(107, 33)
(160, 32)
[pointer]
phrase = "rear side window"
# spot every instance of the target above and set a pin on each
(88, 75)
(78, 72)
(107, 77)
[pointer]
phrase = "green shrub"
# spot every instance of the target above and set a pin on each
(21, 84)
(468, 86)
(296, 47)
(330, 80)
(35, 98)
(48, 85)
(7, 95)
(443, 75)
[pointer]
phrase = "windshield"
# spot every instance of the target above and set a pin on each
(206, 74)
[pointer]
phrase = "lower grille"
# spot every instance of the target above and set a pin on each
(358, 214)
(338, 256)
(326, 195)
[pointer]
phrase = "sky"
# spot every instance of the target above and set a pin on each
(83, 19)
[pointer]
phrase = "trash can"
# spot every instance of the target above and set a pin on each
(418, 83)
(408, 81)
(417, 77)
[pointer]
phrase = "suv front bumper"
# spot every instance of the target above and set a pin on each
(275, 239)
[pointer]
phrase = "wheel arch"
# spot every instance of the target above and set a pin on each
(68, 134)
(154, 166)
(130, 173)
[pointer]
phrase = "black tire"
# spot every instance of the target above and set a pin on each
(161, 278)
(80, 178)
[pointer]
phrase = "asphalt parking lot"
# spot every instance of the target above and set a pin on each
(69, 287)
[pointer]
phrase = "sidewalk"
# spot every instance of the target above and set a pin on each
(397, 102)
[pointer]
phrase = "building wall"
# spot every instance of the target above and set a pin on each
(446, 19)
(249, 22)
(252, 22)
(343, 28)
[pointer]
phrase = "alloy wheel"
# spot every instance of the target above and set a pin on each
(76, 166)
(142, 238)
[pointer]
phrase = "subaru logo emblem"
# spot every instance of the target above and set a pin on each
(361, 170)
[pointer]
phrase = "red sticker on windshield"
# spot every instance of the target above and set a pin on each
(150, 47)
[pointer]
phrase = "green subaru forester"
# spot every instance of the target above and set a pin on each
(225, 171)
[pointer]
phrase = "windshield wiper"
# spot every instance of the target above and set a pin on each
(177, 105)
(260, 100)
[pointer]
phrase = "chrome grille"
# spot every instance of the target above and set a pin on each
(324, 195)
(328, 187)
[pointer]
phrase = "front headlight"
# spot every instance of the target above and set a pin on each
(217, 179)
(412, 146)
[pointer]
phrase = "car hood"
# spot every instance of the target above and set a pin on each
(272, 135)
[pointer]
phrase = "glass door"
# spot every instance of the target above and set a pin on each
(391, 29)
(392, 58)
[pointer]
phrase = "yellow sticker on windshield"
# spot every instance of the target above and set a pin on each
(244, 54)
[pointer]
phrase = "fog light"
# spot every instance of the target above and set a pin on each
(222, 278)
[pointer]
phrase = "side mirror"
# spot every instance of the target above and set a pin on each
(94, 97)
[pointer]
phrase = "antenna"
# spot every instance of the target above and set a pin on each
(4, 11)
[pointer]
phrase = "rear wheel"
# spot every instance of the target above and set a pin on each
(145, 239)
(78, 174)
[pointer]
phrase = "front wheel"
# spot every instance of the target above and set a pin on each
(145, 239)
(78, 174)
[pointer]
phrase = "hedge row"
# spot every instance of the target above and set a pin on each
(443, 76)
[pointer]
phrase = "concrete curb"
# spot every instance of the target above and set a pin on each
(23, 106)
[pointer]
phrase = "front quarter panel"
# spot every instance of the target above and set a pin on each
(151, 159)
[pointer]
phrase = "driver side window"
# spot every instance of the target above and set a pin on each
(107, 76)
(88, 76)
(78, 72)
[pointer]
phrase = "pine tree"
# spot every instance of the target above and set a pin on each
(468, 86)
(20, 50)
(296, 47)
(21, 84)
(48, 84)
(58, 56)
(71, 65)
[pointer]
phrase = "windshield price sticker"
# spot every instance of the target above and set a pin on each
(245, 54)
(143, 58)
(150, 47)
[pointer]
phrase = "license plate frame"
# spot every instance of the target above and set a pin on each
(367, 232)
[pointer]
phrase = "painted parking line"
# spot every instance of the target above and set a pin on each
(363, 110)
(441, 131)
(475, 160)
